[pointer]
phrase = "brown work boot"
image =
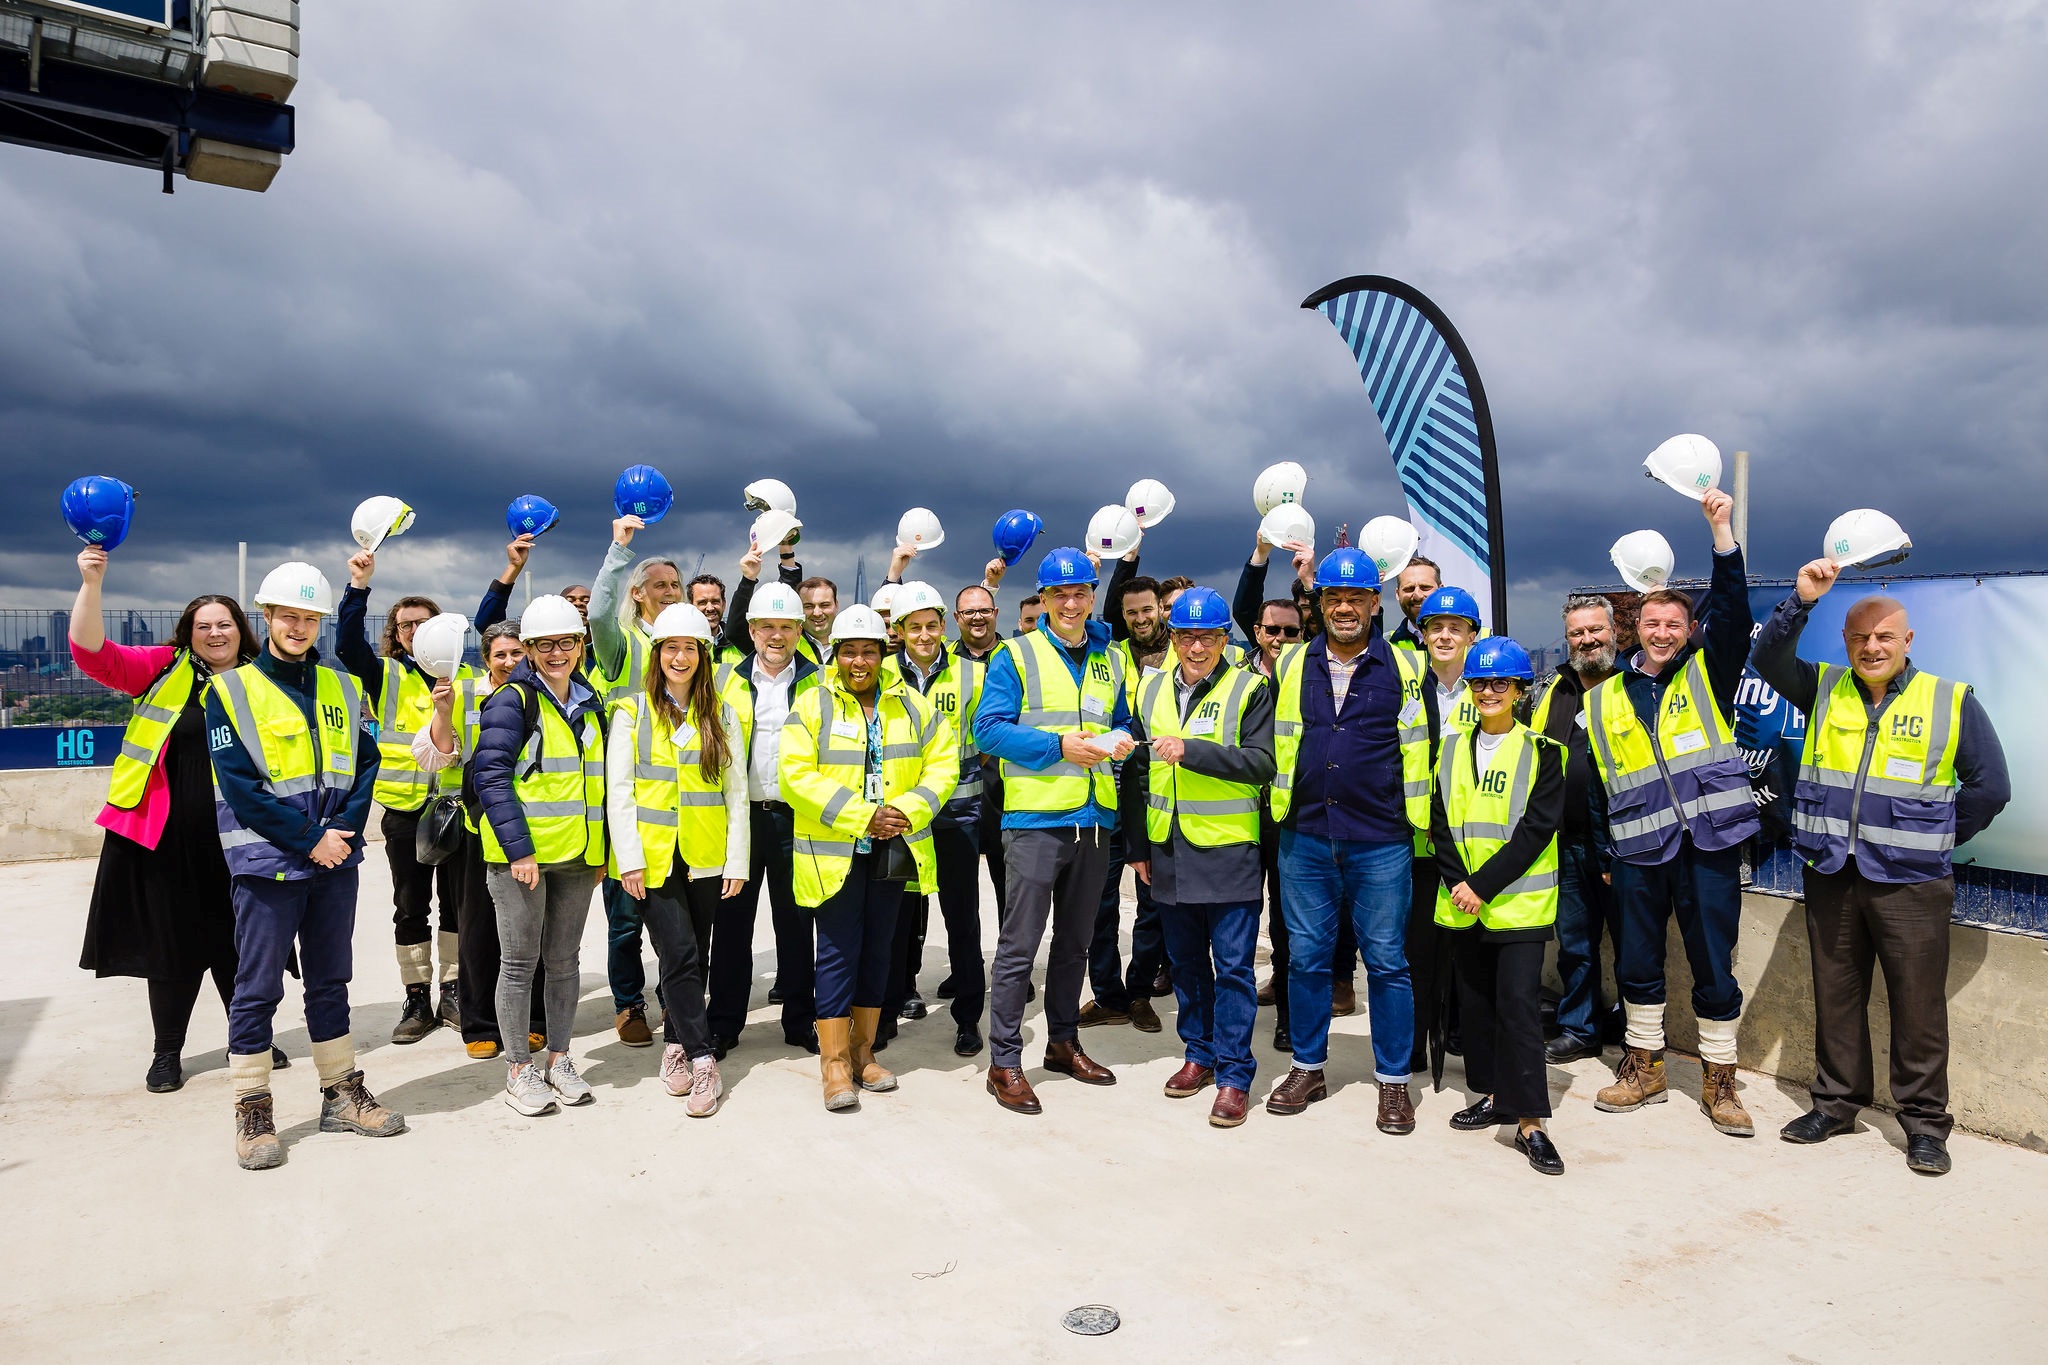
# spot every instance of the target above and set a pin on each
(1638, 1081)
(632, 1027)
(871, 1074)
(1343, 999)
(1717, 1099)
(347, 1106)
(1397, 1110)
(256, 1144)
(1068, 1060)
(1094, 1013)
(1297, 1091)
(835, 1063)
(1144, 1018)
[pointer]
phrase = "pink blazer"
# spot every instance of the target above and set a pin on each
(131, 669)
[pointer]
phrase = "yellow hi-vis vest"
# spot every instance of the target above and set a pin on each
(558, 779)
(823, 767)
(1885, 793)
(1484, 813)
(1684, 775)
(404, 708)
(1210, 811)
(149, 729)
(1461, 715)
(310, 769)
(1055, 703)
(954, 694)
(1411, 730)
(675, 808)
(631, 676)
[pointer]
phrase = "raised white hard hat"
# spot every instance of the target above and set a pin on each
(1113, 532)
(884, 596)
(438, 642)
(377, 519)
(1149, 501)
(1278, 484)
(919, 529)
(859, 623)
(296, 585)
(771, 528)
(776, 602)
(763, 494)
(1644, 559)
(1868, 537)
(915, 596)
(1288, 521)
(547, 617)
(680, 621)
(1390, 542)
(1689, 464)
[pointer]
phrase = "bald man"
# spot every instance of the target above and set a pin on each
(1899, 767)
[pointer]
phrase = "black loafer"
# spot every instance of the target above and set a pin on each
(1814, 1126)
(945, 990)
(1480, 1115)
(1281, 1042)
(723, 1044)
(1927, 1155)
(914, 1008)
(1569, 1047)
(967, 1043)
(1542, 1153)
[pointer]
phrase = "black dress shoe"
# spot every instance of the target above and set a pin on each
(967, 1042)
(1814, 1126)
(1454, 1044)
(1542, 1153)
(945, 990)
(914, 1008)
(1927, 1155)
(809, 1042)
(1480, 1115)
(723, 1044)
(1281, 1042)
(775, 995)
(278, 1061)
(1570, 1047)
(166, 1074)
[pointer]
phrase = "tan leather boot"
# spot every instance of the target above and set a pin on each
(1718, 1100)
(871, 1074)
(1638, 1081)
(835, 1045)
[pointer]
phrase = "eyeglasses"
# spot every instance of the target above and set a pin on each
(410, 625)
(1284, 632)
(965, 612)
(568, 644)
(1490, 684)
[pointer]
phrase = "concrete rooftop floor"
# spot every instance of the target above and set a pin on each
(932, 1225)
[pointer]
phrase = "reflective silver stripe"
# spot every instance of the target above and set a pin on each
(156, 713)
(970, 787)
(235, 689)
(239, 837)
(696, 798)
(293, 786)
(1283, 781)
(1534, 881)
(1648, 825)
(1286, 727)
(653, 772)
(654, 815)
(1050, 720)
(840, 801)
(901, 751)
(1937, 736)
(1738, 799)
(130, 749)
(1026, 659)
(549, 763)
(1235, 806)
(931, 798)
(542, 810)
(1484, 829)
(1900, 838)
(1061, 769)
(1412, 790)
(1159, 801)
(1821, 824)
(918, 836)
(404, 777)
(1596, 730)
(1410, 734)
(830, 848)
(593, 767)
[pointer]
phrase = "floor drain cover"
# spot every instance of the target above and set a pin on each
(1091, 1320)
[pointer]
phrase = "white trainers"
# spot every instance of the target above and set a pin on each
(675, 1070)
(569, 1088)
(706, 1090)
(528, 1093)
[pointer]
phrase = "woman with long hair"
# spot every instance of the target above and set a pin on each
(679, 832)
(160, 905)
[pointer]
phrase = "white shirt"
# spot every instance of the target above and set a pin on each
(1447, 697)
(771, 708)
(1485, 746)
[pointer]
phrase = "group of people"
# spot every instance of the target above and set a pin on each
(1408, 795)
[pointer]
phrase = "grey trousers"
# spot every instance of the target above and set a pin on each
(543, 925)
(1055, 874)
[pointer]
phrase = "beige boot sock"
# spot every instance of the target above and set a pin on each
(449, 946)
(250, 1074)
(1645, 1026)
(334, 1059)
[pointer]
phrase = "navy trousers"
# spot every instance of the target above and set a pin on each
(1705, 890)
(856, 930)
(1585, 912)
(317, 912)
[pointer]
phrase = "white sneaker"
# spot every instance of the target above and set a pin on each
(569, 1088)
(675, 1070)
(706, 1089)
(526, 1092)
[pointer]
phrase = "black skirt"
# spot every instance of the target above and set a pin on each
(165, 912)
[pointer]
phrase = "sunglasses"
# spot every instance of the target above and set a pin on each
(1284, 632)
(1490, 684)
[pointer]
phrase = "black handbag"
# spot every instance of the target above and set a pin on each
(438, 836)
(893, 861)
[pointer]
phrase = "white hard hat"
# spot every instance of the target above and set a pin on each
(859, 623)
(915, 596)
(919, 529)
(379, 518)
(1390, 542)
(884, 596)
(1113, 532)
(776, 602)
(771, 528)
(438, 643)
(680, 621)
(1868, 537)
(1149, 501)
(549, 616)
(1689, 464)
(1278, 484)
(296, 585)
(1288, 521)
(763, 494)
(1644, 558)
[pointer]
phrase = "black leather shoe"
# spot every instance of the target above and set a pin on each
(1454, 1045)
(945, 990)
(809, 1042)
(1478, 1116)
(775, 995)
(1542, 1153)
(1814, 1126)
(1569, 1047)
(724, 1044)
(278, 1061)
(967, 1043)
(166, 1073)
(1281, 1042)
(914, 1007)
(1927, 1155)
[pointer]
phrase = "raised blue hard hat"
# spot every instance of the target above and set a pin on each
(1449, 602)
(1348, 567)
(1065, 567)
(1497, 656)
(530, 514)
(642, 492)
(1015, 531)
(98, 509)
(1199, 609)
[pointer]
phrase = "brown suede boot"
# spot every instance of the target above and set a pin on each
(835, 1060)
(256, 1144)
(871, 1074)
(1718, 1101)
(1638, 1081)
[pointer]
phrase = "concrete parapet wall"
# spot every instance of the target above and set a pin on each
(48, 813)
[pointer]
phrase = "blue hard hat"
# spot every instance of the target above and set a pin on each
(530, 514)
(1199, 609)
(1348, 568)
(1449, 602)
(1065, 567)
(1497, 656)
(98, 509)
(1015, 531)
(642, 492)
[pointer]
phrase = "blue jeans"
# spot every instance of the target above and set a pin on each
(622, 963)
(1585, 910)
(1115, 987)
(1706, 891)
(317, 912)
(1320, 881)
(1219, 1001)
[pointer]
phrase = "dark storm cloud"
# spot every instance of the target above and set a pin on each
(976, 257)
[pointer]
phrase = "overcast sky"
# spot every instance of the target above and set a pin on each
(977, 256)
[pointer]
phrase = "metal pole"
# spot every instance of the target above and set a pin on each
(242, 572)
(527, 578)
(1739, 520)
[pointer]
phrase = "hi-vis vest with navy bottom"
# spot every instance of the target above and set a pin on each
(1884, 793)
(1484, 811)
(309, 768)
(1683, 775)
(954, 694)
